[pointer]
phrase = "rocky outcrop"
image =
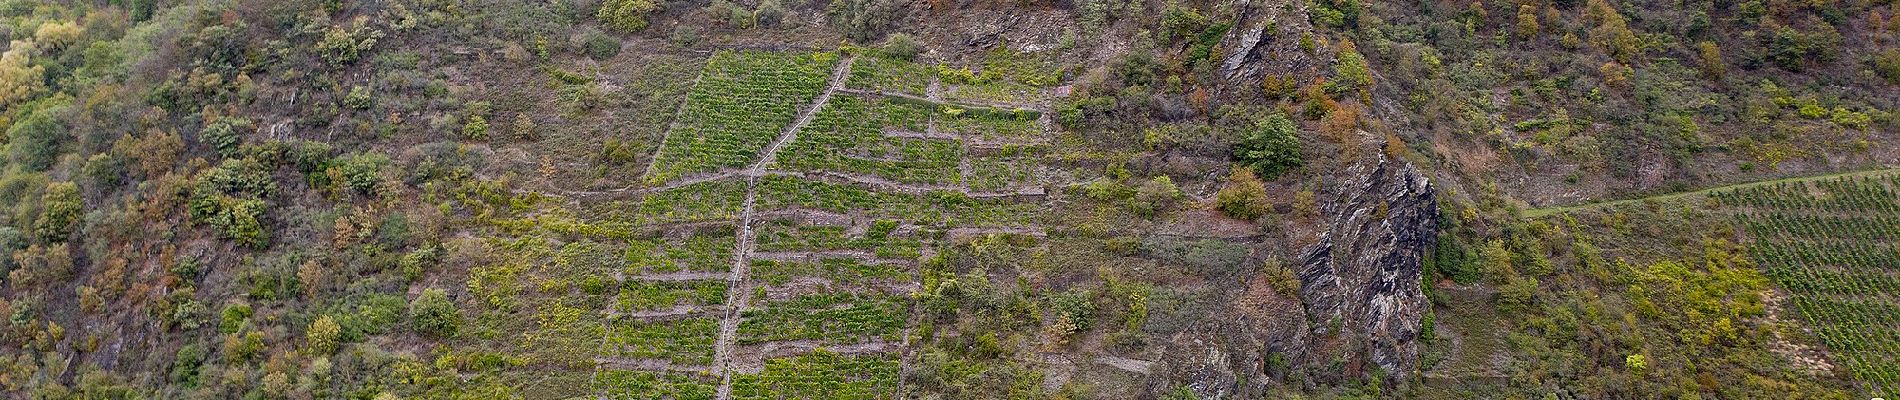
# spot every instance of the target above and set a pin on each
(1363, 273)
(1358, 307)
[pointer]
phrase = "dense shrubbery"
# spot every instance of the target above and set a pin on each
(1244, 197)
(34, 141)
(434, 314)
(1271, 147)
(863, 20)
(626, 15)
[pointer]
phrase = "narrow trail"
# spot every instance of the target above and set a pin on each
(641, 188)
(675, 276)
(883, 184)
(939, 100)
(739, 293)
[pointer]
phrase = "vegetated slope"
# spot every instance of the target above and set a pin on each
(878, 199)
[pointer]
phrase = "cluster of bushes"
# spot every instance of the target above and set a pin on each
(626, 15)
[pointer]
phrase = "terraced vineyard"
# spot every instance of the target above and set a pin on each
(741, 102)
(1831, 244)
(778, 258)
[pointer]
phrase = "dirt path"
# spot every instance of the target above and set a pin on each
(960, 103)
(739, 293)
(887, 185)
(1125, 364)
(641, 188)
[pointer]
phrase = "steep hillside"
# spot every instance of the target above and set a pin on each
(873, 199)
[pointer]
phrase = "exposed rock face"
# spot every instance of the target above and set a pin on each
(1358, 306)
(1364, 271)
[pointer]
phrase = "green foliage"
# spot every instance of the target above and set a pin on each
(234, 318)
(1336, 14)
(1271, 147)
(820, 374)
(626, 15)
(831, 317)
(344, 45)
(223, 135)
(34, 141)
(600, 46)
(358, 98)
(1178, 21)
(1795, 50)
(863, 20)
(1821, 242)
(742, 101)
(359, 171)
(1158, 193)
(770, 13)
(476, 128)
(685, 341)
(230, 198)
(1282, 278)
(103, 170)
(62, 208)
(185, 364)
(1886, 63)
(848, 136)
(1074, 311)
(620, 384)
(322, 335)
(1352, 71)
(433, 314)
(902, 46)
(1244, 197)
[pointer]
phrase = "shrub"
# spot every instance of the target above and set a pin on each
(1850, 119)
(360, 171)
(19, 80)
(321, 337)
(33, 142)
(902, 46)
(1351, 68)
(1886, 63)
(62, 210)
(341, 46)
(433, 314)
(358, 98)
(523, 127)
(863, 20)
(476, 128)
(1282, 278)
(626, 15)
(53, 34)
(1612, 33)
(1336, 14)
(1245, 197)
(1179, 21)
(1159, 193)
(234, 317)
(103, 170)
(770, 13)
(1527, 25)
(1271, 147)
(600, 46)
(223, 135)
(1711, 56)
(185, 363)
